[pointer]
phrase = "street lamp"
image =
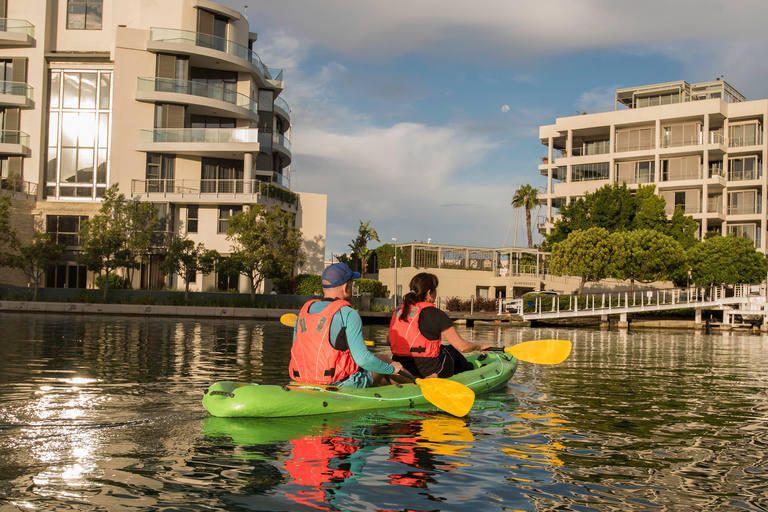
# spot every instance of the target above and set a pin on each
(395, 240)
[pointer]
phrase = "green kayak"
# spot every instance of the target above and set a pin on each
(229, 399)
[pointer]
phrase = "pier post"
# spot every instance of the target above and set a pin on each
(698, 318)
(604, 322)
(623, 323)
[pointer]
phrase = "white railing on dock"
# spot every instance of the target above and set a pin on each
(563, 306)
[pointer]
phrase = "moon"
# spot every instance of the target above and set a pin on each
(505, 108)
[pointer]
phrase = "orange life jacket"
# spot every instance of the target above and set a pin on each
(314, 360)
(406, 339)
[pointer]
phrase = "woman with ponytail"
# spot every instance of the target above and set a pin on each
(416, 329)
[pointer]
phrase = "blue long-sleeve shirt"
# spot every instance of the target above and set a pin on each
(349, 318)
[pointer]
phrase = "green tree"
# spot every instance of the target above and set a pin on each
(527, 197)
(651, 209)
(645, 255)
(186, 260)
(265, 244)
(140, 224)
(359, 245)
(8, 236)
(726, 260)
(683, 228)
(103, 239)
(585, 253)
(36, 258)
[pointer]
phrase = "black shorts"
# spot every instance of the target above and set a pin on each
(447, 363)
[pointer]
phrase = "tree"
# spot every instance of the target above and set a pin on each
(645, 255)
(527, 197)
(726, 260)
(683, 228)
(36, 258)
(186, 260)
(266, 244)
(103, 240)
(584, 253)
(140, 224)
(359, 245)
(8, 236)
(651, 209)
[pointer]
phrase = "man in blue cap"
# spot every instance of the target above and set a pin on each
(328, 345)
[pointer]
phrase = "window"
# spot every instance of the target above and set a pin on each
(192, 216)
(64, 228)
(78, 134)
(746, 168)
(635, 172)
(66, 276)
(744, 202)
(634, 140)
(590, 172)
(160, 171)
(749, 231)
(84, 14)
(748, 134)
(222, 176)
(225, 212)
(681, 135)
(683, 168)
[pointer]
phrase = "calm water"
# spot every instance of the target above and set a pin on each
(104, 413)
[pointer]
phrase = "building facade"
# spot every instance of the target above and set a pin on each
(166, 99)
(701, 145)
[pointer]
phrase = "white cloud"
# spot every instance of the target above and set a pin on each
(505, 108)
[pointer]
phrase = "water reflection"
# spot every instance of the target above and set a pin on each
(106, 415)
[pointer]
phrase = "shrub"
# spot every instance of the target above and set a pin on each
(308, 284)
(115, 281)
(372, 286)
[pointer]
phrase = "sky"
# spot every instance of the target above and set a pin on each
(422, 116)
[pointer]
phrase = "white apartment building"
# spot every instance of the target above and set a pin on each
(166, 98)
(702, 146)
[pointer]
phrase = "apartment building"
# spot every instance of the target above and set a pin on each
(701, 145)
(167, 99)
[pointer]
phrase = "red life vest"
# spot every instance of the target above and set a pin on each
(314, 360)
(405, 339)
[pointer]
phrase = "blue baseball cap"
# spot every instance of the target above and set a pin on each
(337, 274)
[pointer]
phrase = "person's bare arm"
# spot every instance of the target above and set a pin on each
(460, 343)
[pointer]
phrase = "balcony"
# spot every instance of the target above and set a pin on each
(16, 33)
(15, 187)
(741, 142)
(276, 142)
(199, 141)
(282, 108)
(747, 209)
(16, 94)
(14, 143)
(232, 55)
(164, 89)
(212, 191)
(688, 208)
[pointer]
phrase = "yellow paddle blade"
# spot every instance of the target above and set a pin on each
(541, 351)
(289, 320)
(451, 396)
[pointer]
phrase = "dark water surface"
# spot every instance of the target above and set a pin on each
(104, 413)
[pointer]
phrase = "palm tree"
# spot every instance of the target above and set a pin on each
(527, 197)
(359, 245)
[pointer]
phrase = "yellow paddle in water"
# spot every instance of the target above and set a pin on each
(451, 396)
(538, 351)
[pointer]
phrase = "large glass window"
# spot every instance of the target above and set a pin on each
(160, 172)
(193, 211)
(84, 14)
(745, 168)
(222, 176)
(225, 212)
(78, 134)
(64, 228)
(590, 172)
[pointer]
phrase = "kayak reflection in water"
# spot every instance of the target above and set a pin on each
(328, 345)
(416, 329)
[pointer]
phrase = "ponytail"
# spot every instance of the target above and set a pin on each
(421, 284)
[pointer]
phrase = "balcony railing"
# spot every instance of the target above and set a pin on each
(278, 138)
(687, 174)
(17, 27)
(280, 102)
(16, 89)
(715, 205)
(716, 138)
(14, 137)
(16, 186)
(690, 141)
(621, 148)
(593, 148)
(200, 135)
(213, 187)
(216, 43)
(749, 209)
(744, 175)
(688, 208)
(198, 89)
(740, 142)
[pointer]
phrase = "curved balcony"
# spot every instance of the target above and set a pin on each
(16, 33)
(206, 98)
(14, 143)
(227, 54)
(16, 94)
(276, 142)
(199, 141)
(282, 109)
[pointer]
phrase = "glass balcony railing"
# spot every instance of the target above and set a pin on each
(216, 43)
(17, 27)
(198, 89)
(200, 135)
(282, 140)
(16, 89)
(740, 142)
(280, 102)
(14, 137)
